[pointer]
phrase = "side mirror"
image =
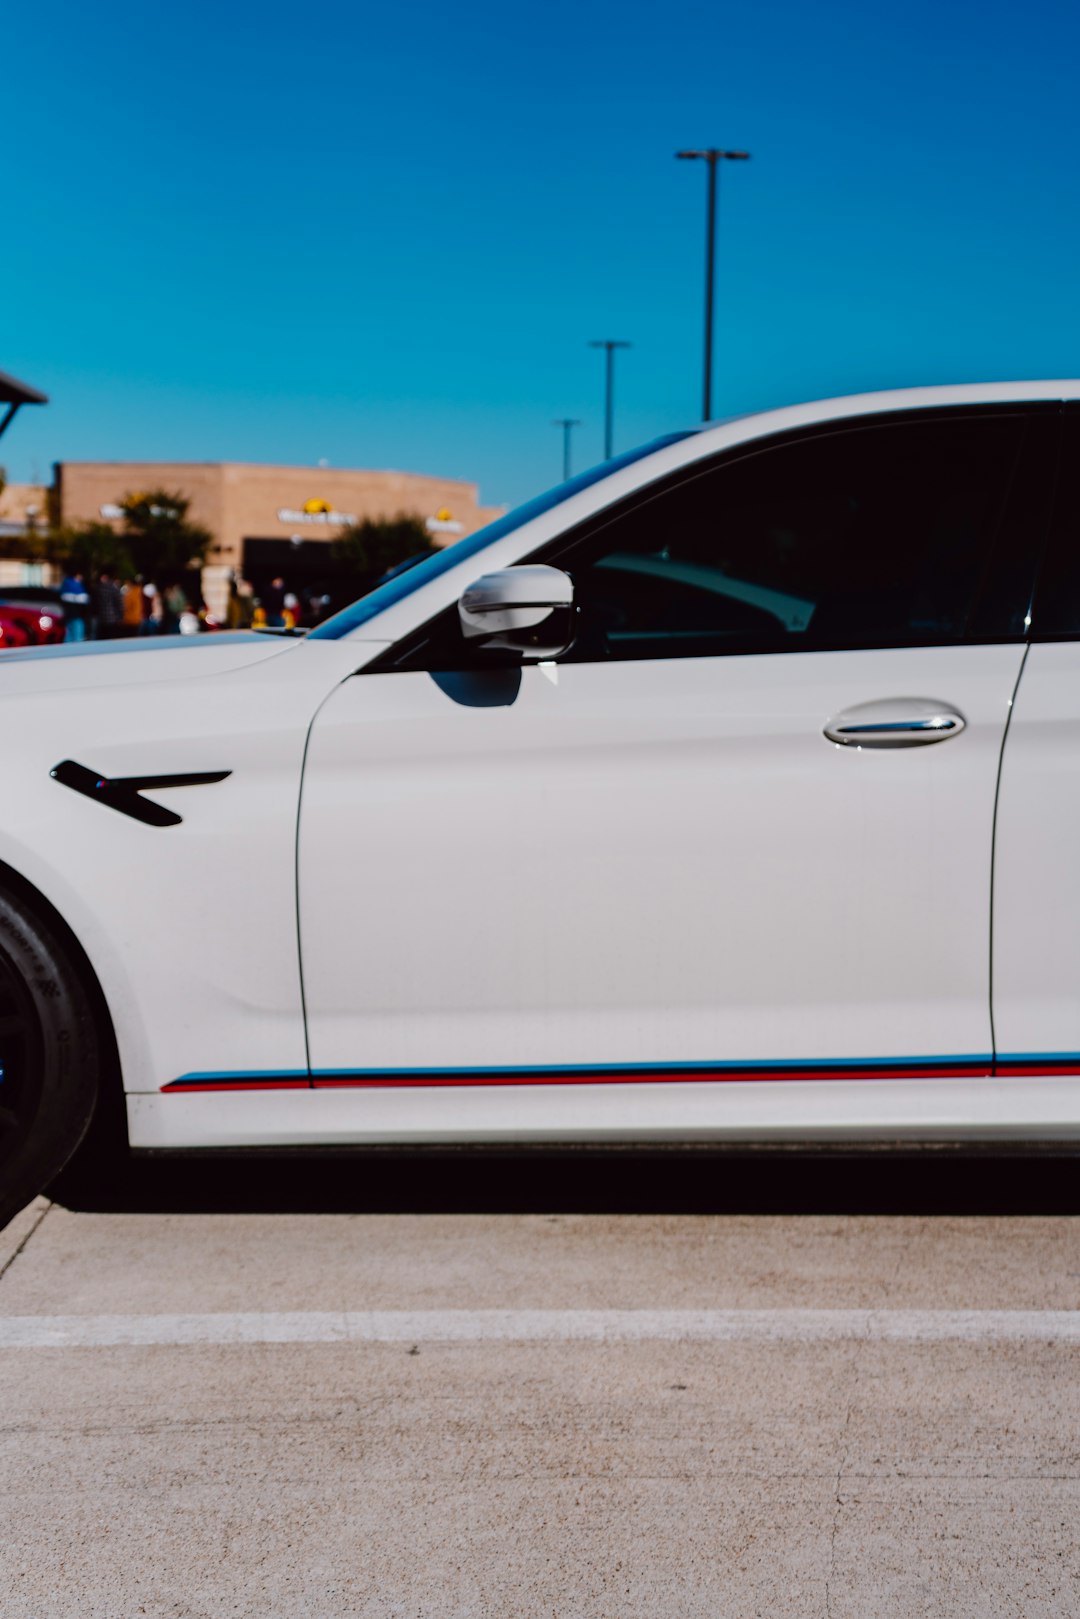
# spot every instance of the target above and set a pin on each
(528, 610)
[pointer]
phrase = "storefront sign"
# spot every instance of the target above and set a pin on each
(315, 511)
(443, 522)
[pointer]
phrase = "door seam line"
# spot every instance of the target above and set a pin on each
(993, 845)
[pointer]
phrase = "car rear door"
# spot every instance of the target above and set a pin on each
(726, 866)
(1036, 940)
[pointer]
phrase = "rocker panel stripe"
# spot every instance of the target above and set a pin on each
(955, 1067)
(968, 1067)
(716, 1073)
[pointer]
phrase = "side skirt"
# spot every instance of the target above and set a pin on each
(1020, 1105)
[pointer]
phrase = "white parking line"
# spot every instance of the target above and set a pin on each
(540, 1326)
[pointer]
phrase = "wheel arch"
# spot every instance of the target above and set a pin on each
(110, 1113)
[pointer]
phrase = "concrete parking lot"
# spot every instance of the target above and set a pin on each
(570, 1389)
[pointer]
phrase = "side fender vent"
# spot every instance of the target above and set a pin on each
(124, 793)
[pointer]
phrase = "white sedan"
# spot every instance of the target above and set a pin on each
(731, 791)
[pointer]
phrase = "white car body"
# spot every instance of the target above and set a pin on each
(635, 901)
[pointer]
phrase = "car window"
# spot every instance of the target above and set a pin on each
(876, 536)
(1056, 613)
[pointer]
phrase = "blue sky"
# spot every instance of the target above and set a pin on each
(384, 236)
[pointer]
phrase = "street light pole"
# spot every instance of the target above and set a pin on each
(567, 423)
(610, 344)
(712, 156)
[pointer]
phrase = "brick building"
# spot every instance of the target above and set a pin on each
(270, 520)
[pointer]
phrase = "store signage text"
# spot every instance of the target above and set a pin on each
(315, 511)
(443, 522)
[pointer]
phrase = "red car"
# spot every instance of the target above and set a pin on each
(30, 624)
(12, 633)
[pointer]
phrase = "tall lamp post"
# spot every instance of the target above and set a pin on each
(567, 423)
(610, 344)
(712, 155)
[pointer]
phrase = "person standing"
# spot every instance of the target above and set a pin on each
(241, 609)
(133, 607)
(152, 609)
(75, 599)
(273, 601)
(176, 605)
(108, 607)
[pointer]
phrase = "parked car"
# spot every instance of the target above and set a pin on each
(13, 631)
(728, 792)
(42, 622)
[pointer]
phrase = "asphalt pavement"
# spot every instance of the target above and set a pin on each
(413, 1389)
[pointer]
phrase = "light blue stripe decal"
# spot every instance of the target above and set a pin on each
(1039, 1056)
(244, 1073)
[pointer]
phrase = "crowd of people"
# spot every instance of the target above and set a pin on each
(106, 608)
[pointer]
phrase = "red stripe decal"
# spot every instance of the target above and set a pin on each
(1035, 1070)
(179, 1087)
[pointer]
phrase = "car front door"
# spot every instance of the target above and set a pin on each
(725, 865)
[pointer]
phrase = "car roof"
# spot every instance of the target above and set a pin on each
(886, 401)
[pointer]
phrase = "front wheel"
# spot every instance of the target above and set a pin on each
(50, 1055)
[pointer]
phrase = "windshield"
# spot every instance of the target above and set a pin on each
(395, 590)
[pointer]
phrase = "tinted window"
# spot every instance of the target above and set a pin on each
(876, 536)
(1056, 614)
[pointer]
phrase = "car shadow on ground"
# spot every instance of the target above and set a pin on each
(673, 1181)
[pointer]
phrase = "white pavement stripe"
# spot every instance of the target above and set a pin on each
(540, 1326)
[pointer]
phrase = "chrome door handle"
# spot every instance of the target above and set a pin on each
(895, 722)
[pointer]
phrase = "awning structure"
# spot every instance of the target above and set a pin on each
(14, 393)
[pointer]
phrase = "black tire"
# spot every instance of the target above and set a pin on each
(50, 1052)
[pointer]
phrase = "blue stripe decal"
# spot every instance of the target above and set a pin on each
(1040, 1056)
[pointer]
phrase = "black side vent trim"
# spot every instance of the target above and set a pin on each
(123, 792)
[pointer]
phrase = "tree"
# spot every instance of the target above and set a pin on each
(88, 548)
(156, 540)
(376, 545)
(160, 539)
